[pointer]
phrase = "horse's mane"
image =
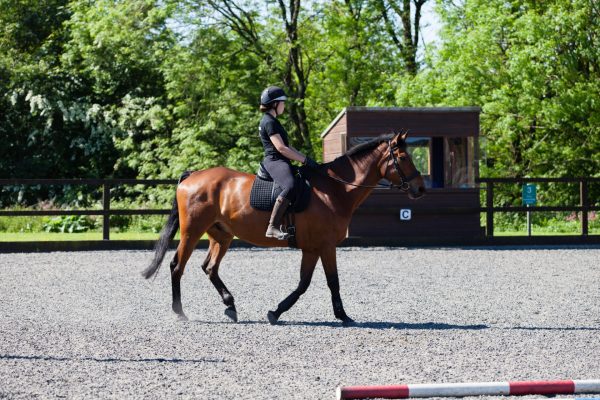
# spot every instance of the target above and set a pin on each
(364, 147)
(371, 144)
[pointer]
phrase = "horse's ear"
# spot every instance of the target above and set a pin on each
(404, 136)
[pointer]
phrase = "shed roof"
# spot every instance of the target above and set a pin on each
(399, 110)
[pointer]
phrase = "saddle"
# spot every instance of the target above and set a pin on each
(265, 191)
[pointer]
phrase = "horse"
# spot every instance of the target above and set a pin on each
(216, 201)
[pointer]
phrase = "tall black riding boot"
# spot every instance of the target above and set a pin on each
(274, 229)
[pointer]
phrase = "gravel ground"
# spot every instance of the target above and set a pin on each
(86, 325)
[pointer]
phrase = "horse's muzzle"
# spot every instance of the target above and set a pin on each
(416, 188)
(416, 194)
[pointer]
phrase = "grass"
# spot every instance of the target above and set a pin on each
(49, 237)
(32, 229)
(543, 224)
(535, 233)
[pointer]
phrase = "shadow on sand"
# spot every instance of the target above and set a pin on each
(431, 326)
(107, 360)
(364, 325)
(551, 328)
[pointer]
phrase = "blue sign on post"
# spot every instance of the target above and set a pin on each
(529, 194)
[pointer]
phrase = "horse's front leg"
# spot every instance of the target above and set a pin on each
(328, 258)
(309, 261)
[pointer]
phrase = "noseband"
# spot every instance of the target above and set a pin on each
(404, 180)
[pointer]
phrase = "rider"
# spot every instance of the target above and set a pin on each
(278, 154)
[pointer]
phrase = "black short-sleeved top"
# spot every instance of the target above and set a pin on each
(269, 126)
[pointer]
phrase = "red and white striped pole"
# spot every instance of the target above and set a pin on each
(469, 389)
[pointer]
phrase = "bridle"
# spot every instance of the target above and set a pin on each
(404, 180)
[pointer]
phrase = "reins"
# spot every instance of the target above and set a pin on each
(404, 185)
(354, 184)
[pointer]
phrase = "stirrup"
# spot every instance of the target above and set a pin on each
(276, 233)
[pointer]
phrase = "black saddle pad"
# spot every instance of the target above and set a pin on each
(265, 192)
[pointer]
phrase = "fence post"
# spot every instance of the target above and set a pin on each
(583, 200)
(489, 205)
(106, 209)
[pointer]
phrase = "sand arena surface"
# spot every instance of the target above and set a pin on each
(87, 325)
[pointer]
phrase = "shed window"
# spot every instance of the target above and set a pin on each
(460, 160)
(419, 149)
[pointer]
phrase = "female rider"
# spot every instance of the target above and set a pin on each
(278, 154)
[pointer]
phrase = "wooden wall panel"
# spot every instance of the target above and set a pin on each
(385, 222)
(374, 123)
(433, 198)
(332, 147)
(384, 226)
(334, 143)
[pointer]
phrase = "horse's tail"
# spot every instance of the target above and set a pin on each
(166, 235)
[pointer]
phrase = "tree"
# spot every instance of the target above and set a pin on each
(215, 104)
(149, 88)
(292, 66)
(362, 56)
(80, 78)
(31, 38)
(534, 69)
(403, 27)
(117, 49)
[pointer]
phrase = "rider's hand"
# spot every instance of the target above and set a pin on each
(310, 163)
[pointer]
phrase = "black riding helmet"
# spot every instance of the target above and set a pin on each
(272, 94)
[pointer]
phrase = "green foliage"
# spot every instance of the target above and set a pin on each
(544, 222)
(148, 88)
(21, 224)
(70, 224)
(147, 223)
(535, 71)
(137, 223)
(76, 88)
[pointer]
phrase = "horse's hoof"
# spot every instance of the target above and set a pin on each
(272, 318)
(348, 322)
(231, 313)
(182, 317)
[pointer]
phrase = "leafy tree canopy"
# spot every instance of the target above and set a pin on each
(147, 88)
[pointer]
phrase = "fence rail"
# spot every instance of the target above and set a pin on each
(584, 200)
(489, 209)
(106, 185)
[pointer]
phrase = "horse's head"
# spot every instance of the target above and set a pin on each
(400, 169)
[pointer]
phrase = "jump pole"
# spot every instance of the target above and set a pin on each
(469, 389)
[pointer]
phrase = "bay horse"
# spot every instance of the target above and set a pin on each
(216, 201)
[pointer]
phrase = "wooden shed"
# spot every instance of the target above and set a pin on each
(443, 143)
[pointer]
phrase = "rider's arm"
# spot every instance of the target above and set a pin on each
(287, 151)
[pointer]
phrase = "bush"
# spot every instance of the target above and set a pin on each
(21, 224)
(70, 224)
(121, 223)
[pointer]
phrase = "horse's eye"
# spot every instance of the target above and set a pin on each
(402, 158)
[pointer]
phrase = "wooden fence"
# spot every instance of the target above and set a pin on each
(106, 210)
(585, 204)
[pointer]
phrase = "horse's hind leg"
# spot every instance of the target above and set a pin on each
(219, 244)
(190, 234)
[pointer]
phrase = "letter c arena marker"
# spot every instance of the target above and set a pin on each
(469, 389)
